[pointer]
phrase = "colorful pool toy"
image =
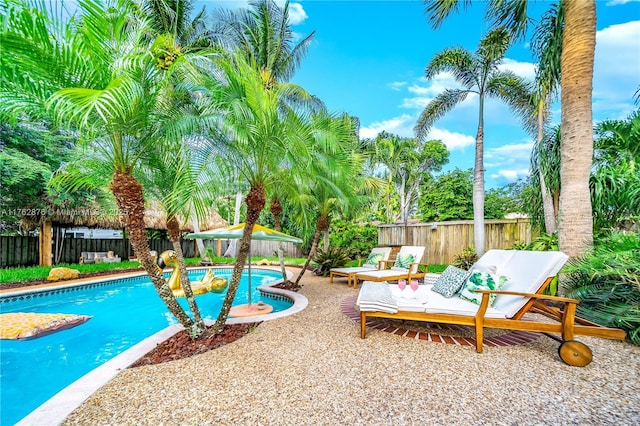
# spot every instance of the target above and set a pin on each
(208, 283)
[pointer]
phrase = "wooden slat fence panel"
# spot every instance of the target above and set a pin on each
(445, 240)
(18, 251)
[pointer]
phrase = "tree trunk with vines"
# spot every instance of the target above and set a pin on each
(256, 201)
(322, 225)
(173, 229)
(130, 199)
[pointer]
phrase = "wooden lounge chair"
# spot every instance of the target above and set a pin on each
(529, 275)
(398, 271)
(378, 257)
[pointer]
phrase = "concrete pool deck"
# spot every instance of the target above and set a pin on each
(313, 368)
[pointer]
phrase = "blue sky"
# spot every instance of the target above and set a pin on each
(368, 60)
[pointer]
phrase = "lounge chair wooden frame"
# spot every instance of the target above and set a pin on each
(401, 275)
(567, 324)
(351, 274)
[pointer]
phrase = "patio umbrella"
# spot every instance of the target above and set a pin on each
(234, 232)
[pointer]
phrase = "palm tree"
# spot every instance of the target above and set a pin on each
(263, 136)
(547, 47)
(578, 51)
(264, 36)
(118, 110)
(545, 177)
(405, 161)
(478, 74)
(336, 172)
(174, 17)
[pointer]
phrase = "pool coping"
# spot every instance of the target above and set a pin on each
(59, 406)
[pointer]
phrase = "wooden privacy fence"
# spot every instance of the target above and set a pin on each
(445, 240)
(24, 251)
(18, 251)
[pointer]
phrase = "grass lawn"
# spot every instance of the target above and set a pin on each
(34, 273)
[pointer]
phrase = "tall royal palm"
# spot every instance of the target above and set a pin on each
(478, 74)
(578, 50)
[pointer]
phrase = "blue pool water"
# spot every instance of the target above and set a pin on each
(124, 311)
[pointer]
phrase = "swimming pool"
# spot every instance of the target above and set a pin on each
(124, 312)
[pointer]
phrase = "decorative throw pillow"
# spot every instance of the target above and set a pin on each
(450, 281)
(479, 280)
(373, 259)
(404, 260)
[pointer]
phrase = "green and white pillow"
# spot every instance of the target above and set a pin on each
(403, 261)
(373, 259)
(450, 281)
(480, 280)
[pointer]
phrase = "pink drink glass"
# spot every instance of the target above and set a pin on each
(402, 284)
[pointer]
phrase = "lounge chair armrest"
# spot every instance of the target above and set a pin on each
(426, 267)
(383, 264)
(530, 295)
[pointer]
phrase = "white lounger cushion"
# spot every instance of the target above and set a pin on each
(384, 297)
(438, 304)
(385, 251)
(353, 269)
(526, 271)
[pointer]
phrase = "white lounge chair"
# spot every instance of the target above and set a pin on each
(406, 266)
(528, 274)
(374, 261)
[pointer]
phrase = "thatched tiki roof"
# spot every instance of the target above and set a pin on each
(96, 217)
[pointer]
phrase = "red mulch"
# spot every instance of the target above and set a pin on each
(180, 345)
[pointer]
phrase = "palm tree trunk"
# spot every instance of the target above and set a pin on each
(550, 221)
(575, 235)
(173, 228)
(321, 226)
(256, 201)
(128, 194)
(478, 185)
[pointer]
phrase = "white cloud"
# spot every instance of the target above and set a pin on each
(510, 175)
(617, 61)
(522, 69)
(427, 90)
(296, 13)
(618, 2)
(397, 85)
(511, 161)
(452, 140)
(401, 126)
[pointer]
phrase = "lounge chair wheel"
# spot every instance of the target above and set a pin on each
(575, 353)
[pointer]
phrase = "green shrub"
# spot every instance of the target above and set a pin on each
(356, 239)
(334, 257)
(466, 259)
(607, 284)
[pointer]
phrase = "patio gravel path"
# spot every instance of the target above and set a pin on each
(312, 368)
